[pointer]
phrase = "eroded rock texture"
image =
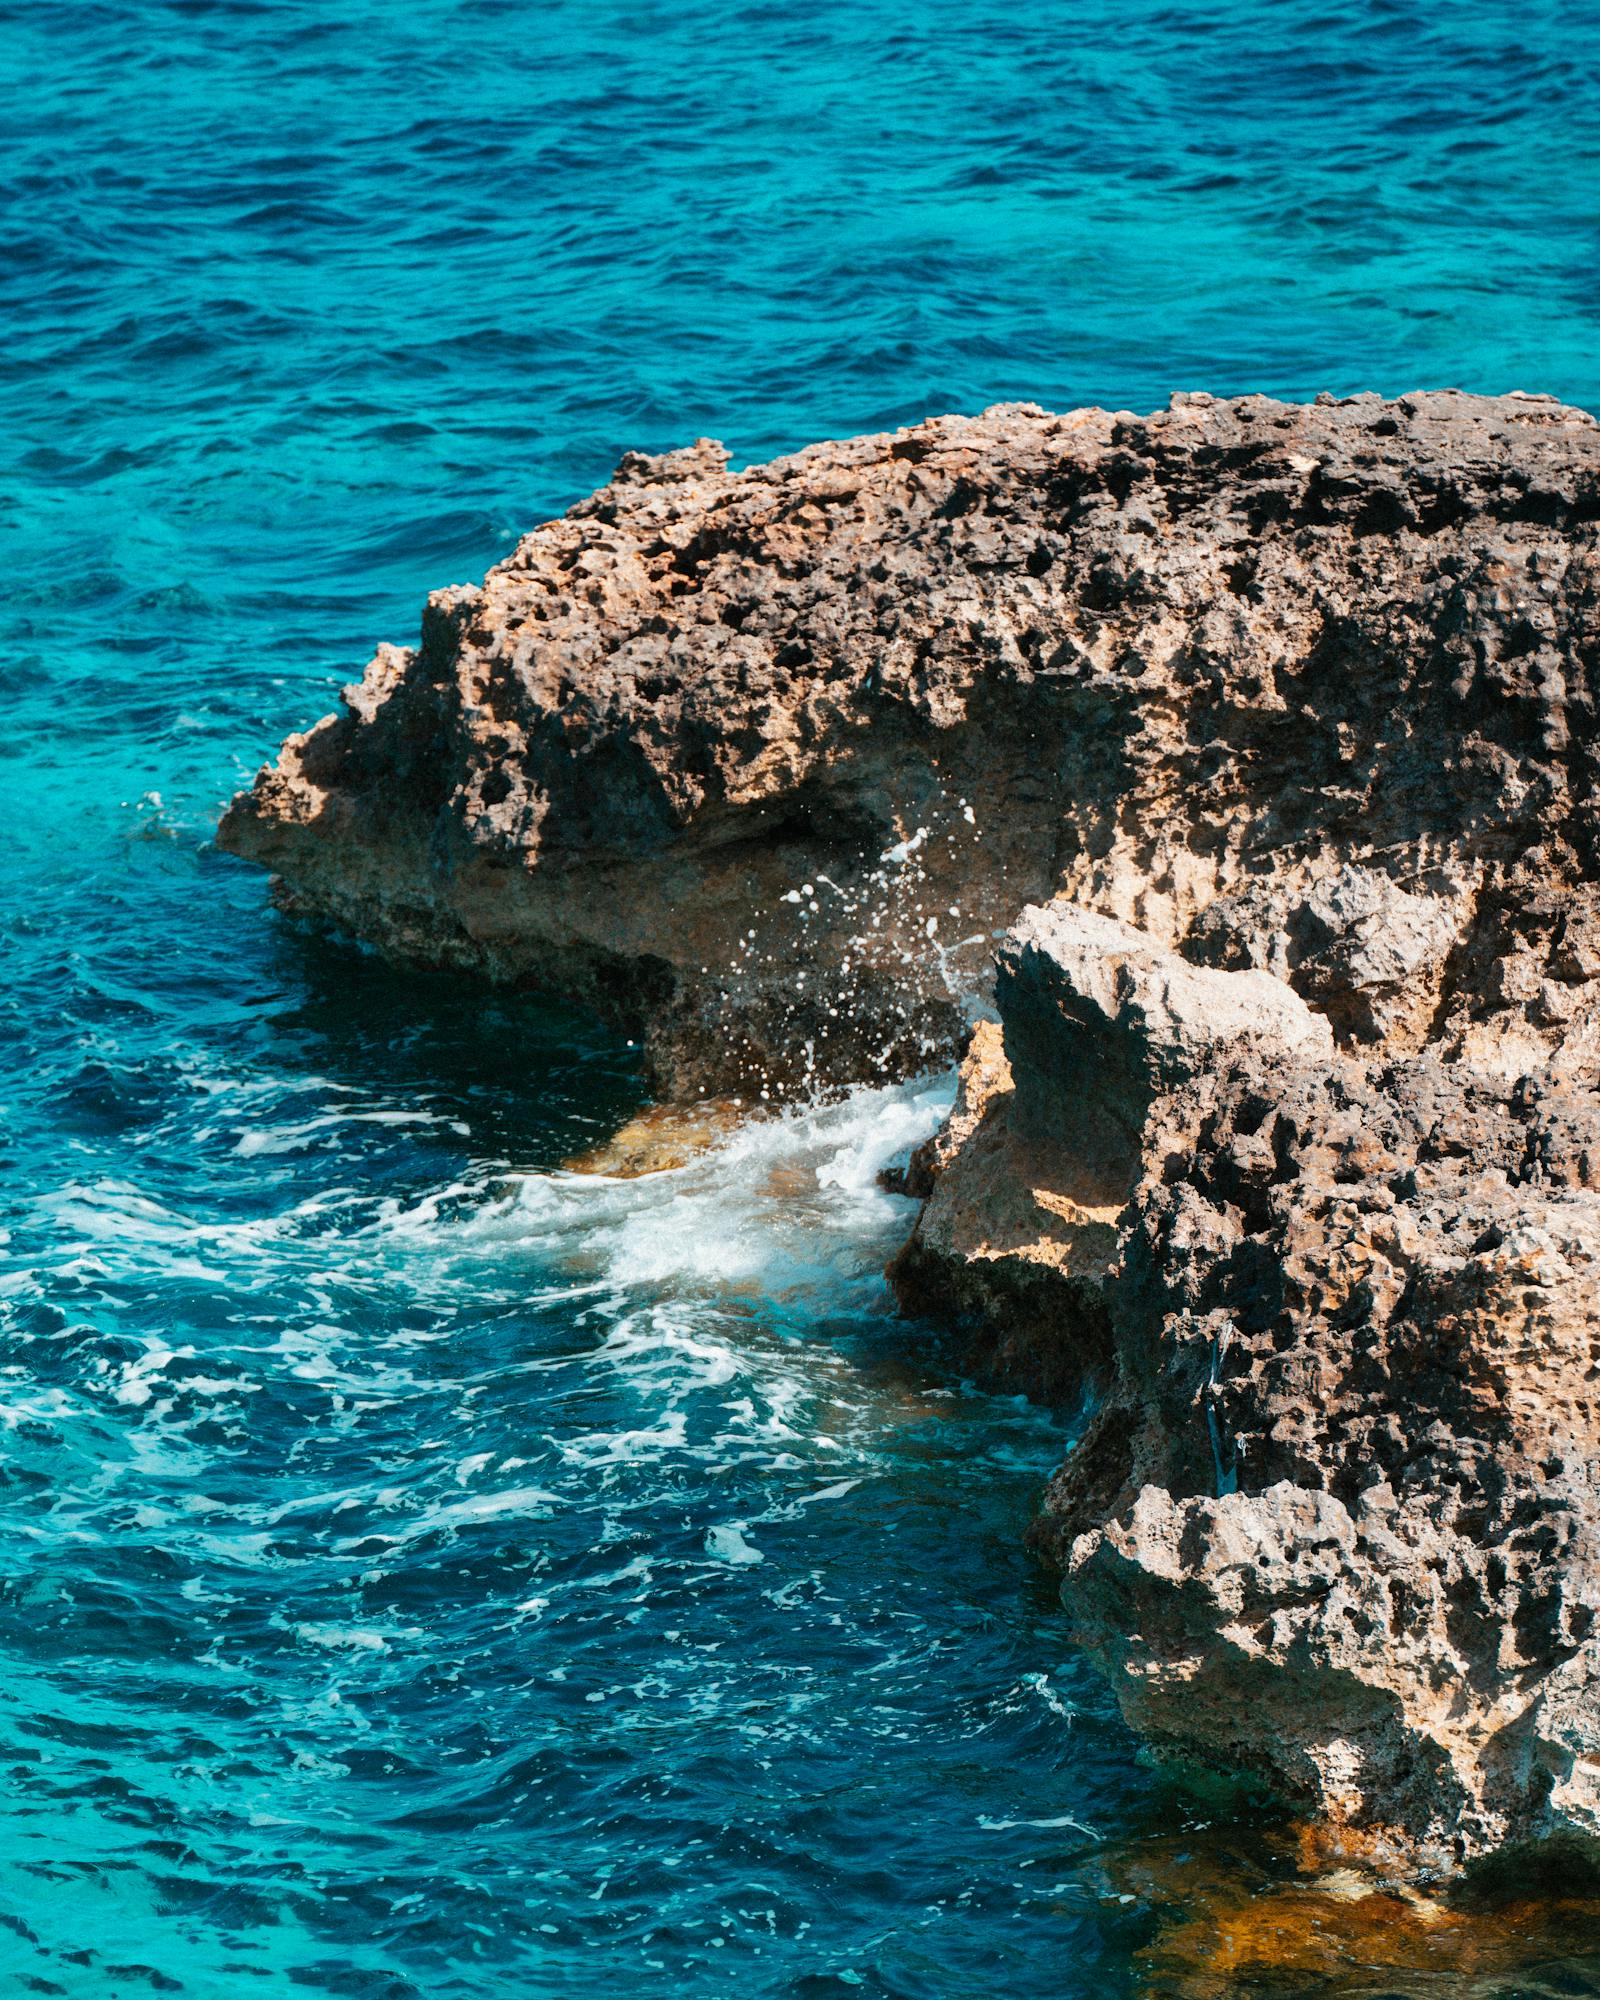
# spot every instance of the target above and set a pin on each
(1335, 1517)
(1287, 1143)
(1032, 1175)
(927, 678)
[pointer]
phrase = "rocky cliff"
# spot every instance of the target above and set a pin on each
(1334, 1516)
(1278, 723)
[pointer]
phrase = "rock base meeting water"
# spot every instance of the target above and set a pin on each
(1287, 1153)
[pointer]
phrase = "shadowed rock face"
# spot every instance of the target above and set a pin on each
(1030, 1180)
(1288, 1140)
(929, 678)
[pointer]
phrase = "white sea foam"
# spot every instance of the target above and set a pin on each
(667, 1282)
(787, 1202)
(294, 1138)
(728, 1544)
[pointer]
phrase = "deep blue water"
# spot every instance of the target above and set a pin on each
(424, 1572)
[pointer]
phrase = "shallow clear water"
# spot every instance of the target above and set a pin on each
(425, 1572)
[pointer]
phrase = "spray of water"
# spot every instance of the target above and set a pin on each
(878, 958)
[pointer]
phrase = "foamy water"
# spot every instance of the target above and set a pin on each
(436, 1570)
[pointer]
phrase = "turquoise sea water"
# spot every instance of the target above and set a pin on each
(422, 1572)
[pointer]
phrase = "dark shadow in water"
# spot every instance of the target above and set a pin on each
(535, 1078)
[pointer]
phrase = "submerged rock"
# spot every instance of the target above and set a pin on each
(1280, 722)
(1267, 1917)
(658, 1140)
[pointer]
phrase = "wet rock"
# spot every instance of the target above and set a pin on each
(659, 1139)
(1334, 1519)
(984, 1077)
(1267, 1916)
(1012, 1245)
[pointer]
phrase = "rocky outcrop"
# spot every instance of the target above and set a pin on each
(1334, 1518)
(1372, 957)
(1281, 722)
(1012, 1247)
(843, 715)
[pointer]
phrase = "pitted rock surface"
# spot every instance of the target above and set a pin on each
(1038, 1162)
(1227, 649)
(1335, 1518)
(763, 762)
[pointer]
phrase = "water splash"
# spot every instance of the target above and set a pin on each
(510, 1566)
(843, 961)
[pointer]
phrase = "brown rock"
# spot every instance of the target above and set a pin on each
(1041, 1155)
(659, 1139)
(1263, 1919)
(983, 1077)
(919, 680)
(1002, 1247)
(1335, 1518)
(1305, 1171)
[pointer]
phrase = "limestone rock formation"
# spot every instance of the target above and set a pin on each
(1334, 1518)
(1371, 956)
(1287, 1145)
(843, 715)
(1032, 1174)
(1014, 1243)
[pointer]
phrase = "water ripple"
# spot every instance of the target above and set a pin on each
(427, 1571)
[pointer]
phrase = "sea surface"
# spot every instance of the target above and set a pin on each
(426, 1571)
